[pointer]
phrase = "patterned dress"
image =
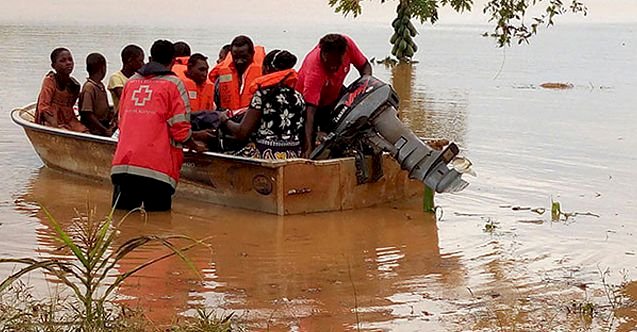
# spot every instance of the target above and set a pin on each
(282, 124)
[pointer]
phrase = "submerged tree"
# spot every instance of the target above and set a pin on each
(509, 16)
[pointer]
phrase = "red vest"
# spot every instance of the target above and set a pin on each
(231, 96)
(201, 97)
(154, 118)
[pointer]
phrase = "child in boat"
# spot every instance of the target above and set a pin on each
(95, 113)
(132, 61)
(275, 119)
(58, 94)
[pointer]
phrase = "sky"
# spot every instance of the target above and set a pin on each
(189, 13)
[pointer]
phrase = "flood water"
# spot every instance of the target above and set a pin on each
(390, 267)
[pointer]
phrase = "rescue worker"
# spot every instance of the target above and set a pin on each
(234, 75)
(154, 123)
(200, 90)
(321, 79)
(182, 54)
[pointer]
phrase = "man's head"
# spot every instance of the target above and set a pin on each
(242, 50)
(163, 52)
(333, 48)
(198, 68)
(182, 49)
(132, 57)
(223, 52)
(96, 66)
(62, 61)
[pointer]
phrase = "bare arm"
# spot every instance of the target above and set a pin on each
(366, 69)
(308, 143)
(94, 125)
(118, 92)
(246, 127)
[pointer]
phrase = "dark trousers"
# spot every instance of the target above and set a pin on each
(132, 191)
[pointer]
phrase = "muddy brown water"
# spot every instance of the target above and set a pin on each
(389, 267)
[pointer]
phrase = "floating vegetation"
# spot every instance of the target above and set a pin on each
(556, 85)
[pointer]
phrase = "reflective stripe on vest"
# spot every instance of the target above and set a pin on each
(145, 172)
(228, 80)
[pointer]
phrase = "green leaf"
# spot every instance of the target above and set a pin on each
(66, 239)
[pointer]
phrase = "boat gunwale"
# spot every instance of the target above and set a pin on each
(16, 117)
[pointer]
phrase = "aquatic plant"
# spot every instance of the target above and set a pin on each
(90, 272)
(509, 17)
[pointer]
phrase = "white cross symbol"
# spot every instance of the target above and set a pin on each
(142, 95)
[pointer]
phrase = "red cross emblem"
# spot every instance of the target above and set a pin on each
(142, 95)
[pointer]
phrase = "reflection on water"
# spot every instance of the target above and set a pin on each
(429, 117)
(308, 270)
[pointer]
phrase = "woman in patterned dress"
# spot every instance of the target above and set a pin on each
(275, 120)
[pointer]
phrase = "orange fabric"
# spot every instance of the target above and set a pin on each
(181, 66)
(201, 96)
(59, 104)
(225, 76)
(287, 77)
(154, 118)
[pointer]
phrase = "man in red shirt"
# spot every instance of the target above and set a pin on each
(321, 80)
(154, 123)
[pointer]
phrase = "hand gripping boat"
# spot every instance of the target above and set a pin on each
(366, 116)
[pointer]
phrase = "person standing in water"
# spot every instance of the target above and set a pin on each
(154, 124)
(58, 94)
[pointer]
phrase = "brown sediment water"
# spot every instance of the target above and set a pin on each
(490, 263)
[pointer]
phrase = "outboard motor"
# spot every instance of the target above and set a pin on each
(366, 115)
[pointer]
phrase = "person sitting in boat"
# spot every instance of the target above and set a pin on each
(321, 79)
(223, 52)
(200, 90)
(154, 123)
(182, 54)
(275, 118)
(234, 75)
(95, 113)
(132, 60)
(58, 94)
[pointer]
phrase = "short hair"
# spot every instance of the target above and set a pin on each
(56, 53)
(182, 49)
(333, 43)
(226, 48)
(279, 60)
(196, 57)
(242, 40)
(95, 62)
(163, 51)
(131, 51)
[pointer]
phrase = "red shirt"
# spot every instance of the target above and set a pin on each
(320, 88)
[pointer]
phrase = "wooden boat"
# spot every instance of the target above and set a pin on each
(280, 187)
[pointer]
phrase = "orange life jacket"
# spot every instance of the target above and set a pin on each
(226, 79)
(286, 77)
(201, 97)
(181, 66)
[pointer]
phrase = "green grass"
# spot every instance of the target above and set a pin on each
(91, 278)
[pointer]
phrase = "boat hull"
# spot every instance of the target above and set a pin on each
(280, 187)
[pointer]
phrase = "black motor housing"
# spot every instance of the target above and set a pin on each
(366, 114)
